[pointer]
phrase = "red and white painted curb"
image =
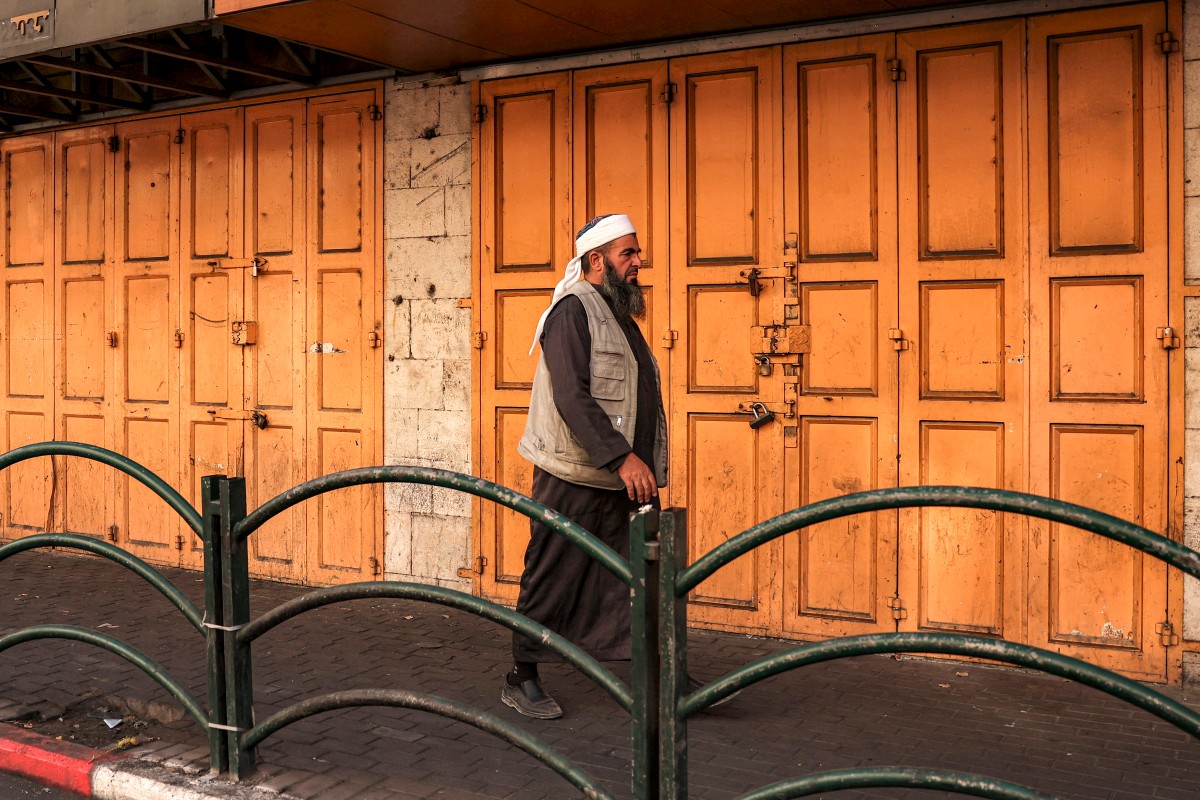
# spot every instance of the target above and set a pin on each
(109, 776)
(63, 765)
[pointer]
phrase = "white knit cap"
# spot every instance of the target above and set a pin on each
(600, 231)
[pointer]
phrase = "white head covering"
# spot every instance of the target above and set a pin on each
(600, 231)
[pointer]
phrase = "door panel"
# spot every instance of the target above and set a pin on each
(839, 191)
(526, 240)
(27, 354)
(962, 288)
(1099, 396)
(343, 308)
(724, 220)
(84, 300)
(275, 219)
(210, 240)
(145, 276)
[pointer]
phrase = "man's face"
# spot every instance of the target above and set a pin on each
(625, 256)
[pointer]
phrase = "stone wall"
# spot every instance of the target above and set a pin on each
(427, 361)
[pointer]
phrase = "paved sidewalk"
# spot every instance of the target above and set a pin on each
(1022, 726)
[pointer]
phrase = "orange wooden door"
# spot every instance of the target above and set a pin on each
(211, 279)
(724, 168)
(839, 190)
(1098, 291)
(344, 326)
(27, 355)
(962, 293)
(274, 366)
(526, 239)
(146, 285)
(83, 318)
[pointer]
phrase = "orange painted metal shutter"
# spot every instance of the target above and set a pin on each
(962, 294)
(275, 366)
(839, 194)
(1098, 291)
(26, 357)
(526, 240)
(344, 385)
(724, 219)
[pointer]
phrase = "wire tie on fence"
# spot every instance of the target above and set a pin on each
(233, 728)
(215, 626)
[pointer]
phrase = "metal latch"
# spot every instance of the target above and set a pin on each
(782, 340)
(258, 418)
(898, 340)
(254, 265)
(899, 612)
(475, 569)
(756, 275)
(243, 332)
(1166, 634)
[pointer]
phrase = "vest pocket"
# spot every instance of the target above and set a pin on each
(608, 376)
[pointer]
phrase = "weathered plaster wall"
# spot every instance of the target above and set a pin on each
(427, 367)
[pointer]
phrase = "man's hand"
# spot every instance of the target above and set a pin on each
(638, 479)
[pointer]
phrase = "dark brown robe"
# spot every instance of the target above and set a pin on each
(561, 587)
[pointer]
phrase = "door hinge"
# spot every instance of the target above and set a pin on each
(478, 338)
(667, 95)
(480, 114)
(476, 568)
(178, 338)
(899, 612)
(113, 530)
(114, 144)
(179, 541)
(180, 135)
(374, 563)
(1168, 338)
(112, 338)
(898, 340)
(896, 70)
(374, 114)
(669, 339)
(1166, 634)
(1166, 42)
(374, 339)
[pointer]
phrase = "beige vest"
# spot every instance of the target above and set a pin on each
(549, 443)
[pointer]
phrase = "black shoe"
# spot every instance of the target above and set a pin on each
(693, 685)
(530, 699)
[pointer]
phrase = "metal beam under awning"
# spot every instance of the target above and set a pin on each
(36, 26)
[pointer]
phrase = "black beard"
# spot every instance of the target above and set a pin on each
(626, 299)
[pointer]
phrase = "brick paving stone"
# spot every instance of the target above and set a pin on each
(1011, 723)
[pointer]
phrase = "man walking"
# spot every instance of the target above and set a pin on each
(596, 435)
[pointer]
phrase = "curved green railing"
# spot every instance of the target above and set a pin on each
(445, 479)
(1031, 505)
(117, 555)
(242, 529)
(435, 705)
(896, 777)
(119, 462)
(130, 654)
(451, 599)
(680, 583)
(74, 541)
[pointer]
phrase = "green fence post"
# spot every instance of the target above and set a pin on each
(235, 603)
(672, 637)
(643, 563)
(214, 638)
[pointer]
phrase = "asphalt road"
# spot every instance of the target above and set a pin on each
(19, 789)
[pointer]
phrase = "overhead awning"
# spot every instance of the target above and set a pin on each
(69, 61)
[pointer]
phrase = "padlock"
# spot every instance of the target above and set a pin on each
(764, 366)
(761, 415)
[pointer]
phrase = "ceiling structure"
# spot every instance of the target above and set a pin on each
(69, 61)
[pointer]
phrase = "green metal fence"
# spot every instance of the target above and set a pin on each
(656, 698)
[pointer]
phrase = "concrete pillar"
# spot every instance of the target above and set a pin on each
(427, 369)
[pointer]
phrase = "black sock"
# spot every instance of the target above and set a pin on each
(521, 672)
